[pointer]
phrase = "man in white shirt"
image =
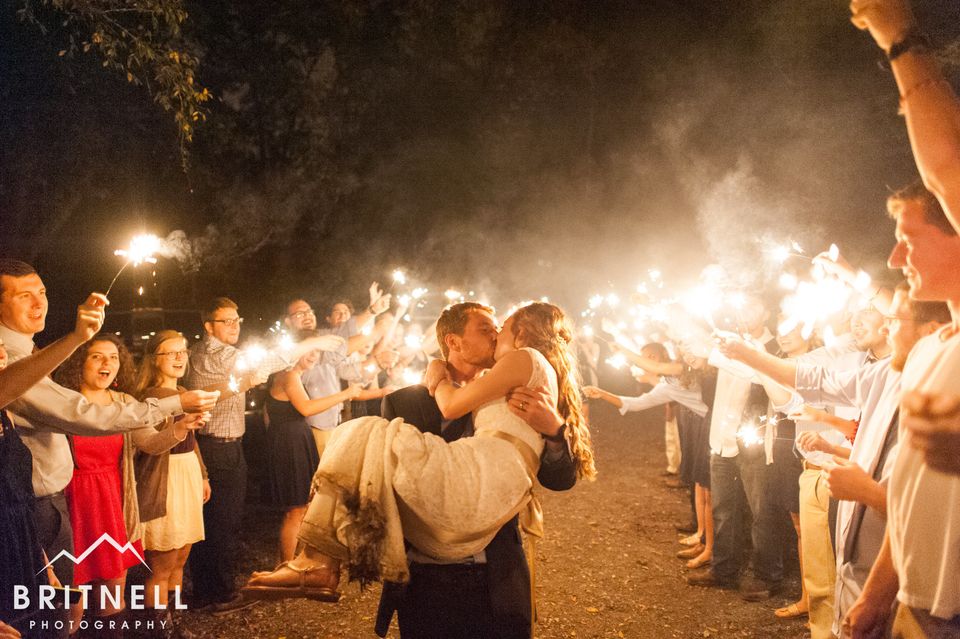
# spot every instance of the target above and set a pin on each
(47, 410)
(919, 561)
(738, 400)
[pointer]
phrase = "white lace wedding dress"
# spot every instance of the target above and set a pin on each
(381, 482)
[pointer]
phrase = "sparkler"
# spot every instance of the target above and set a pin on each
(452, 294)
(141, 249)
(780, 253)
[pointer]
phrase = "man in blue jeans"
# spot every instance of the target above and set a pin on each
(739, 473)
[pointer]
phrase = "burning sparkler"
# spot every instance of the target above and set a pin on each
(141, 249)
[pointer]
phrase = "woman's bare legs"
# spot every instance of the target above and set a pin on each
(802, 605)
(707, 554)
(288, 532)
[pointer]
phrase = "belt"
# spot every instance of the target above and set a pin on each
(808, 466)
(221, 440)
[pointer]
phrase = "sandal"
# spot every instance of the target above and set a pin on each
(691, 552)
(790, 612)
(692, 540)
(698, 562)
(302, 589)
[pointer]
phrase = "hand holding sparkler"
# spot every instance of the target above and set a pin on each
(812, 441)
(90, 316)
(846, 480)
(199, 401)
(190, 421)
(592, 392)
(889, 21)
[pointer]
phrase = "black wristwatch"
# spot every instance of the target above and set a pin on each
(913, 40)
(559, 438)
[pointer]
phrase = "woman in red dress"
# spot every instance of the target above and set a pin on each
(102, 495)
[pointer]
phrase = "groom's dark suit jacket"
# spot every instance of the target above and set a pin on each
(508, 577)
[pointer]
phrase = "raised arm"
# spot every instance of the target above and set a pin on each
(513, 369)
(595, 392)
(292, 385)
(668, 369)
(781, 371)
(926, 98)
(18, 377)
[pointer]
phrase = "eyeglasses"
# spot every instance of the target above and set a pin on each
(301, 314)
(232, 321)
(174, 354)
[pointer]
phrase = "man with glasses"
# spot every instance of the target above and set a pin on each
(212, 360)
(324, 378)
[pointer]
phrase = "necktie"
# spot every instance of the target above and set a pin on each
(860, 509)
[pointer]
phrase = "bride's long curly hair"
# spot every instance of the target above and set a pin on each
(546, 328)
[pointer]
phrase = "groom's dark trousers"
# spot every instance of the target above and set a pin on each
(487, 600)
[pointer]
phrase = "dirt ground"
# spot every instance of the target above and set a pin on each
(606, 567)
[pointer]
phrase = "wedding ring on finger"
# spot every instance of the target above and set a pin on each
(523, 405)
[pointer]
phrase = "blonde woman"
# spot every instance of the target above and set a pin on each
(450, 498)
(173, 487)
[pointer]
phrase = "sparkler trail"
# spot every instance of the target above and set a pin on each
(142, 248)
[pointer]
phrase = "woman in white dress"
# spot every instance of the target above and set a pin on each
(380, 482)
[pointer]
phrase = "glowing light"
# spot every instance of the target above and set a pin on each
(737, 300)
(834, 253)
(411, 377)
(613, 300)
(596, 301)
(788, 281)
(141, 249)
(587, 331)
(140, 291)
(655, 275)
(413, 341)
(862, 282)
(617, 361)
(749, 435)
(417, 293)
(452, 294)
(813, 303)
(399, 277)
(234, 385)
(404, 300)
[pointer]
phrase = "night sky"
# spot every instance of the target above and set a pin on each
(516, 148)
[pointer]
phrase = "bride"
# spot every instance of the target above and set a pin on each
(380, 482)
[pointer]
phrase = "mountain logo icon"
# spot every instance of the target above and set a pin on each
(105, 537)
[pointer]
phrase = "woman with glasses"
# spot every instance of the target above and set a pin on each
(174, 486)
(102, 495)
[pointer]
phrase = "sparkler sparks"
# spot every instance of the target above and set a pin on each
(141, 249)
(399, 277)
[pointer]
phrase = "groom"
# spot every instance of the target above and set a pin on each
(486, 595)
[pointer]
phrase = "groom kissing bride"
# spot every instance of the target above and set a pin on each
(432, 498)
